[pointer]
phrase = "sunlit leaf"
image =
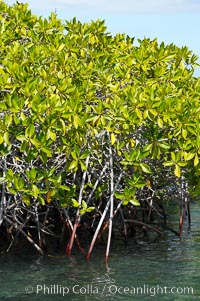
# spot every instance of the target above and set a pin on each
(196, 160)
(145, 168)
(90, 209)
(112, 138)
(177, 171)
(134, 202)
(75, 203)
(84, 205)
(76, 121)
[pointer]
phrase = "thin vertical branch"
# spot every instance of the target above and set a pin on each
(38, 225)
(181, 219)
(187, 202)
(97, 182)
(107, 223)
(123, 219)
(70, 228)
(111, 200)
(77, 219)
(3, 191)
(98, 228)
(181, 207)
(102, 219)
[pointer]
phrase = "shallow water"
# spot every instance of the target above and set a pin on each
(163, 269)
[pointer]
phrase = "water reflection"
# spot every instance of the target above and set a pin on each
(167, 263)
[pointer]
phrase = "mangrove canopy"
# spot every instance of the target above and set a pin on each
(97, 132)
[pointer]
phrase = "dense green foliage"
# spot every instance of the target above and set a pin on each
(89, 121)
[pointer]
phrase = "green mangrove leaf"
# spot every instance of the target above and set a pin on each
(145, 168)
(134, 202)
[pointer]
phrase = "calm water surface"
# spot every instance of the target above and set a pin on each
(135, 272)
